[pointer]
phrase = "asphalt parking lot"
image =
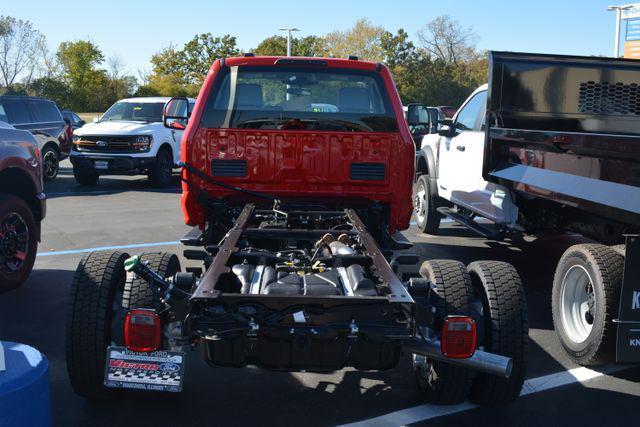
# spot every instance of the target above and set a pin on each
(124, 212)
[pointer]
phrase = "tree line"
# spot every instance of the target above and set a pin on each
(441, 67)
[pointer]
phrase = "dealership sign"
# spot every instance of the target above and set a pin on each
(631, 15)
(632, 12)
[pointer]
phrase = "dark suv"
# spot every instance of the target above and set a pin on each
(22, 205)
(43, 119)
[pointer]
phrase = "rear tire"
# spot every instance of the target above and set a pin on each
(95, 303)
(427, 216)
(443, 383)
(160, 172)
(137, 293)
(50, 163)
(506, 329)
(585, 299)
(18, 241)
(85, 177)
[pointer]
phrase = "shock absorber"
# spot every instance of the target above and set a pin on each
(164, 288)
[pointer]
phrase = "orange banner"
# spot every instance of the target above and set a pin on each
(632, 49)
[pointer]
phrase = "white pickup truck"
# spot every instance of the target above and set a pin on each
(449, 174)
(130, 138)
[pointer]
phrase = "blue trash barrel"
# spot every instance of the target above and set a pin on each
(25, 398)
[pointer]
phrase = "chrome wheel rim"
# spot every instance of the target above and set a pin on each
(14, 242)
(49, 164)
(578, 304)
(420, 203)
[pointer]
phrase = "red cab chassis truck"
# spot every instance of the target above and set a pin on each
(297, 178)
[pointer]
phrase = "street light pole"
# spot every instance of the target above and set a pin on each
(618, 9)
(288, 30)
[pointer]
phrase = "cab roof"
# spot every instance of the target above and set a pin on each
(302, 61)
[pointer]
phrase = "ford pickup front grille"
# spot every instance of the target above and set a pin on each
(368, 171)
(609, 98)
(229, 167)
(110, 144)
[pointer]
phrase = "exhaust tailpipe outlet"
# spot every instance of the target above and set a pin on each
(482, 361)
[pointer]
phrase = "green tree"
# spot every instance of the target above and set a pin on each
(91, 87)
(53, 88)
(181, 72)
(200, 52)
(397, 49)
(80, 60)
(277, 46)
(362, 40)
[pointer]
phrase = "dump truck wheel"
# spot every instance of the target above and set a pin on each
(137, 293)
(584, 301)
(503, 308)
(95, 302)
(440, 382)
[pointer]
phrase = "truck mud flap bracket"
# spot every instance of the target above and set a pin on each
(628, 322)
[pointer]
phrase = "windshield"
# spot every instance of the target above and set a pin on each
(134, 112)
(299, 99)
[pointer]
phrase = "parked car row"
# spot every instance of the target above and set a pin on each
(35, 136)
(128, 139)
(43, 119)
(425, 120)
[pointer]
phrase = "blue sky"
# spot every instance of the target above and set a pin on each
(135, 29)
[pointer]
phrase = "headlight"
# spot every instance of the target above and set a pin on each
(142, 142)
(76, 138)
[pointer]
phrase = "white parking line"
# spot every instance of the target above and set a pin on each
(531, 386)
(106, 248)
(87, 193)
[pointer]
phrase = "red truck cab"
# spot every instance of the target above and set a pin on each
(323, 130)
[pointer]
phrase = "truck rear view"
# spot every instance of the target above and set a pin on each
(563, 137)
(297, 175)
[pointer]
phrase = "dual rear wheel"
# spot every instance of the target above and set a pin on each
(101, 293)
(492, 293)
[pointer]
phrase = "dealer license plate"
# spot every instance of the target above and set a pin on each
(156, 371)
(101, 164)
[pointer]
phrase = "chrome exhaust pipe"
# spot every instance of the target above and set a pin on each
(482, 361)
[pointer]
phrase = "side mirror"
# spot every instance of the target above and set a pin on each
(447, 128)
(176, 113)
(417, 115)
(96, 119)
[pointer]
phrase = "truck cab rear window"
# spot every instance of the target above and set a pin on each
(287, 98)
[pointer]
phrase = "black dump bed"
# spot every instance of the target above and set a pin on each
(567, 129)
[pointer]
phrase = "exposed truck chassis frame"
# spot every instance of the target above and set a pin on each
(279, 291)
(372, 311)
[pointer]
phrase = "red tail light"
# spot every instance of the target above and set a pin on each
(458, 337)
(142, 330)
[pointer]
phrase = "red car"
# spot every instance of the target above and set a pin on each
(22, 204)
